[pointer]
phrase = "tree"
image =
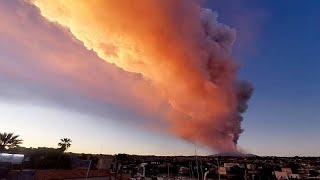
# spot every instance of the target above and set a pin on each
(237, 171)
(55, 160)
(9, 141)
(64, 144)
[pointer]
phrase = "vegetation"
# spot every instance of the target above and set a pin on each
(9, 141)
(64, 144)
(40, 158)
(48, 158)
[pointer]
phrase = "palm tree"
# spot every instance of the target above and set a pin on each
(9, 141)
(64, 144)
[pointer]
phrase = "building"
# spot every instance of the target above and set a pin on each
(105, 162)
(287, 170)
(281, 175)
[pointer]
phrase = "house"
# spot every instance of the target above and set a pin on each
(294, 176)
(287, 170)
(230, 165)
(281, 175)
(105, 162)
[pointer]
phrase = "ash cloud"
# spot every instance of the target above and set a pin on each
(166, 59)
(42, 63)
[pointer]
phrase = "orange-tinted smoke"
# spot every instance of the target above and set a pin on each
(177, 46)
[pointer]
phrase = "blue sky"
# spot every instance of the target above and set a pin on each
(282, 62)
(277, 48)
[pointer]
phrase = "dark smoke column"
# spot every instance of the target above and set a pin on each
(222, 71)
(244, 93)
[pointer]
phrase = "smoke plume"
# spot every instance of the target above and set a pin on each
(177, 46)
(42, 63)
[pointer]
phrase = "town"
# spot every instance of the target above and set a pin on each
(159, 89)
(50, 163)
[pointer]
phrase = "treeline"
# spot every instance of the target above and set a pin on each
(43, 158)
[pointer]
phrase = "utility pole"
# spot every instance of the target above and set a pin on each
(201, 169)
(116, 168)
(168, 170)
(195, 151)
(191, 170)
(88, 169)
(245, 174)
(218, 167)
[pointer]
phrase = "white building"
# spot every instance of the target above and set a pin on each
(294, 176)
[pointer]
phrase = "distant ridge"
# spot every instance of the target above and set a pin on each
(234, 155)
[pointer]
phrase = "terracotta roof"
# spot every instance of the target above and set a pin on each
(69, 174)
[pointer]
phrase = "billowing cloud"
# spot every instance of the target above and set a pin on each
(42, 61)
(167, 60)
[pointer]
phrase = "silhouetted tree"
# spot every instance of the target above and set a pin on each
(294, 167)
(9, 141)
(64, 144)
(237, 171)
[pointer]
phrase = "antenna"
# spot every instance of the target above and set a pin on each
(195, 151)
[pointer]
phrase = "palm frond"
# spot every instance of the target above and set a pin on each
(9, 140)
(65, 143)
